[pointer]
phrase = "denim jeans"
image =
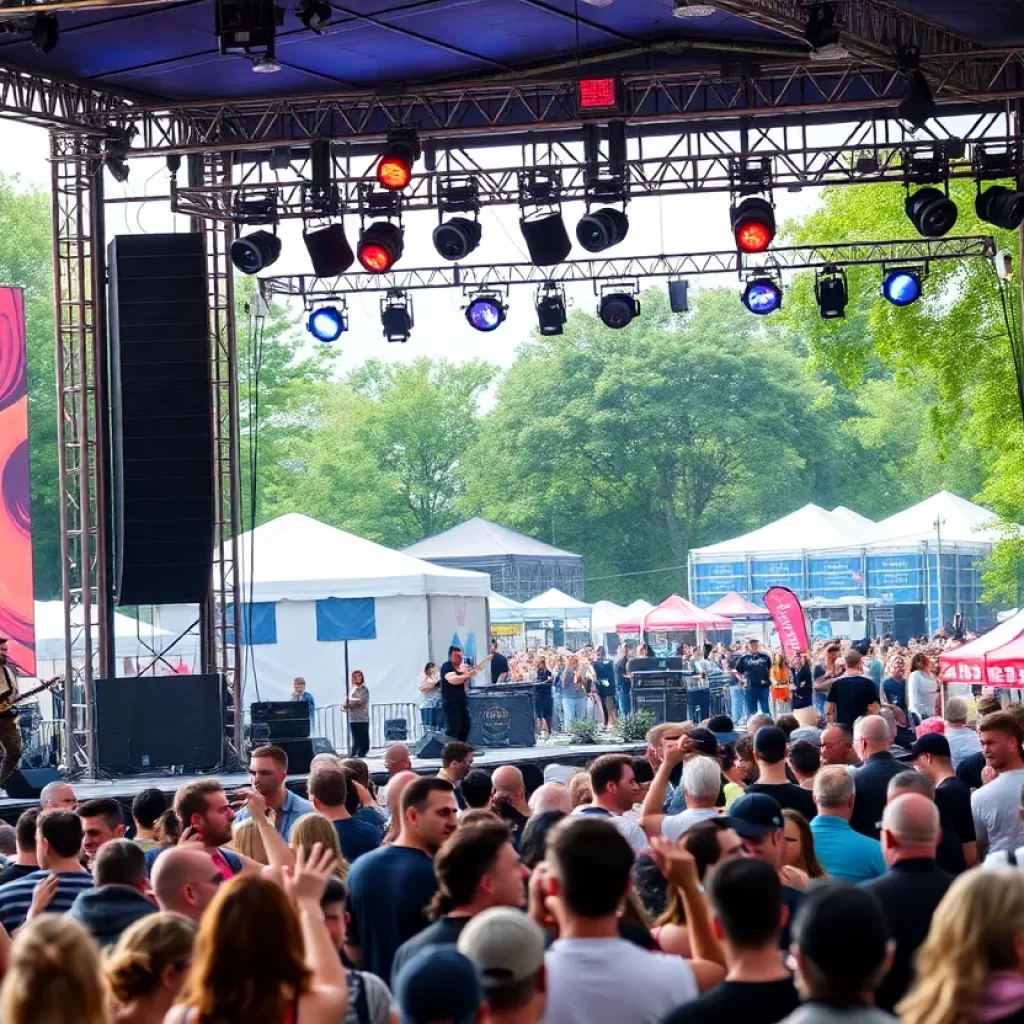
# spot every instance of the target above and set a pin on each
(820, 699)
(623, 700)
(736, 703)
(698, 704)
(757, 696)
(572, 709)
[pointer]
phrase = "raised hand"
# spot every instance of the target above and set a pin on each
(675, 862)
(255, 801)
(43, 893)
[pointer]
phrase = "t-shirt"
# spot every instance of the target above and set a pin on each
(851, 696)
(622, 681)
(895, 691)
(13, 871)
(604, 671)
(388, 892)
(443, 932)
(499, 667)
(378, 1000)
(996, 811)
(873, 667)
(953, 800)
(452, 694)
(631, 831)
(361, 694)
(969, 770)
(16, 896)
(922, 689)
(613, 980)
(962, 743)
(754, 668)
(746, 1002)
(356, 837)
(675, 826)
(788, 795)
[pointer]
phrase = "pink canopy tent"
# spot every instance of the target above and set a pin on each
(994, 659)
(673, 614)
(736, 606)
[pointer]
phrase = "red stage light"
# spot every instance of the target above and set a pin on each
(380, 247)
(752, 237)
(393, 172)
(597, 93)
(375, 258)
(753, 225)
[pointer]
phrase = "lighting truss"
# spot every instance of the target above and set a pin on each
(795, 257)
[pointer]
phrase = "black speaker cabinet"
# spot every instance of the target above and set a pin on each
(147, 722)
(274, 720)
(27, 783)
(302, 751)
(431, 745)
(162, 419)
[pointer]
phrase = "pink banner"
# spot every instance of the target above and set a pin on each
(788, 616)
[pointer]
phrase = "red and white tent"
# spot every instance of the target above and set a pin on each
(736, 606)
(994, 659)
(673, 614)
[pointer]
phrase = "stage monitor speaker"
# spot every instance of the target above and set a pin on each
(162, 418)
(27, 783)
(145, 722)
(431, 745)
(274, 720)
(667, 664)
(301, 752)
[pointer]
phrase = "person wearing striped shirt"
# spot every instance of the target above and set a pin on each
(58, 844)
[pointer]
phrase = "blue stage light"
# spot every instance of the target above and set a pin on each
(326, 324)
(902, 287)
(485, 313)
(762, 296)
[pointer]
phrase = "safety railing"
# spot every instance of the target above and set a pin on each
(389, 723)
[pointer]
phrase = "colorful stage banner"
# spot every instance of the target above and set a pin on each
(788, 616)
(17, 619)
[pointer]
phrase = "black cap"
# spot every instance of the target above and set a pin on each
(755, 815)
(705, 741)
(720, 723)
(933, 743)
(770, 744)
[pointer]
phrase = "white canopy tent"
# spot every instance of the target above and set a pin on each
(604, 616)
(957, 520)
(810, 528)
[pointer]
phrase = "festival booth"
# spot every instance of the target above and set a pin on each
(675, 615)
(319, 602)
(746, 618)
(995, 659)
(605, 616)
(508, 622)
(554, 619)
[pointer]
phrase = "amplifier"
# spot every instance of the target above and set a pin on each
(668, 664)
(668, 680)
(274, 720)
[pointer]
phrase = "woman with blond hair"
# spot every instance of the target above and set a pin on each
(146, 969)
(246, 840)
(970, 969)
(314, 828)
(53, 976)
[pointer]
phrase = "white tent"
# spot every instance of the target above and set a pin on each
(554, 604)
(636, 608)
(960, 522)
(604, 617)
(504, 609)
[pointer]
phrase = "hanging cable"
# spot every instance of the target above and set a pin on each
(257, 327)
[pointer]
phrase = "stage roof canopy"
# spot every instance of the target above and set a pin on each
(480, 538)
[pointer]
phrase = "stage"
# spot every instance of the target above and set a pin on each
(125, 788)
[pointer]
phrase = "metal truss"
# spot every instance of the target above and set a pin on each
(714, 161)
(916, 252)
(49, 103)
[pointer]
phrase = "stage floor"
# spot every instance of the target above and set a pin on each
(125, 788)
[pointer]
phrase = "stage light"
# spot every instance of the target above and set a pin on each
(267, 63)
(753, 224)
(546, 238)
(679, 295)
(45, 32)
(618, 309)
(823, 34)
(118, 167)
(394, 169)
(314, 14)
(550, 303)
(486, 312)
(380, 247)
(901, 286)
(327, 323)
(602, 229)
(328, 250)
(597, 94)
(917, 105)
(255, 252)
(931, 211)
(396, 315)
(690, 9)
(762, 296)
(456, 238)
(1000, 206)
(831, 293)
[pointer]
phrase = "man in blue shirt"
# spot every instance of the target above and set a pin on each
(299, 692)
(329, 789)
(845, 854)
(268, 768)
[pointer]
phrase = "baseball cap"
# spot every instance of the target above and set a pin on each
(504, 945)
(755, 815)
(704, 740)
(933, 743)
(770, 744)
(438, 983)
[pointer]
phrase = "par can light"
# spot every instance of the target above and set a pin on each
(255, 252)
(456, 238)
(901, 286)
(753, 224)
(546, 239)
(931, 212)
(486, 312)
(394, 169)
(618, 309)
(380, 247)
(602, 229)
(762, 296)
(1000, 206)
(326, 324)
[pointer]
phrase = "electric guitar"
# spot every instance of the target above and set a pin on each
(8, 705)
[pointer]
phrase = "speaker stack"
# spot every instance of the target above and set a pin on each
(285, 724)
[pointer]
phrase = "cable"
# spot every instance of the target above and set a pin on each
(257, 327)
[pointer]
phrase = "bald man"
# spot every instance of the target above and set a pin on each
(552, 796)
(397, 759)
(871, 780)
(57, 796)
(508, 784)
(396, 787)
(185, 880)
(913, 887)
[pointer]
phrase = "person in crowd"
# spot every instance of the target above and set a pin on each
(701, 783)
(581, 793)
(894, 685)
(552, 796)
(996, 805)
(871, 780)
(146, 970)
(315, 830)
(873, 666)
(357, 703)
(53, 973)
(723, 729)
(826, 671)
(57, 796)
(803, 680)
(456, 764)
(799, 851)
(544, 698)
(429, 687)
(615, 791)
(574, 692)
(623, 681)
(711, 842)
(507, 949)
(770, 757)
(748, 915)
(853, 694)
(922, 687)
(743, 770)
(328, 791)
(837, 746)
(788, 724)
(397, 759)
(499, 663)
(901, 738)
(268, 769)
(586, 881)
(24, 861)
(297, 978)
(8, 842)
(439, 985)
(931, 757)
(148, 808)
(119, 897)
(842, 954)
(102, 821)
(845, 854)
(752, 671)
(477, 789)
(185, 879)
(246, 840)
(604, 677)
(361, 797)
(643, 772)
(950, 853)
(299, 692)
(534, 838)
(58, 845)
(963, 740)
(969, 967)
(804, 762)
(396, 787)
(510, 792)
(476, 869)
(755, 722)
(455, 677)
(390, 888)
(912, 889)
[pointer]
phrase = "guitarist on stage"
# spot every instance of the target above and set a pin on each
(10, 734)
